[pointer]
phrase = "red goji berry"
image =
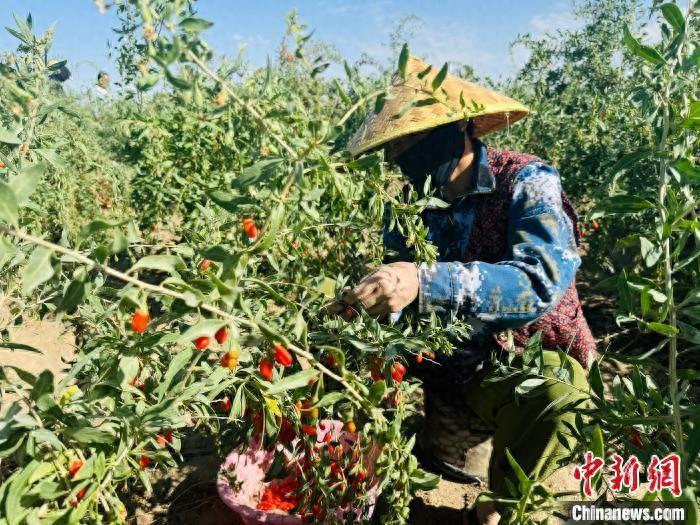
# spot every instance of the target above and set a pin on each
(139, 321)
(266, 369)
(202, 342)
(206, 263)
(143, 461)
(309, 430)
(74, 467)
(221, 335)
(78, 496)
(397, 372)
(225, 405)
(282, 355)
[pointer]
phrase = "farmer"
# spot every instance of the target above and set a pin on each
(507, 247)
(99, 93)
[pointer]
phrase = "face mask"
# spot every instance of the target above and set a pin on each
(436, 156)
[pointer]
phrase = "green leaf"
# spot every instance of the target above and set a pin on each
(621, 204)
(26, 182)
(376, 392)
(74, 294)
(693, 119)
(147, 81)
(9, 208)
(51, 157)
(364, 163)
(90, 435)
(9, 137)
(662, 329)
(229, 202)
(38, 269)
(205, 327)
(7, 251)
(341, 92)
(127, 370)
(18, 487)
(596, 381)
(650, 251)
(688, 170)
(529, 385)
(239, 404)
(422, 480)
(97, 226)
(440, 77)
(597, 442)
(329, 399)
(403, 61)
(298, 380)
(647, 53)
(177, 364)
(519, 472)
(674, 16)
(689, 332)
(43, 385)
(425, 72)
(273, 225)
(164, 263)
(195, 25)
(261, 171)
(178, 82)
(629, 160)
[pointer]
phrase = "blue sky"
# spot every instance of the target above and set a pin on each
(474, 32)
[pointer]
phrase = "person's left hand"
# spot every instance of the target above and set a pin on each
(390, 288)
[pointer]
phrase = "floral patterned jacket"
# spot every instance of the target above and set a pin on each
(507, 259)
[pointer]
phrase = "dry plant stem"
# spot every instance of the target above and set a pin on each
(668, 261)
(160, 290)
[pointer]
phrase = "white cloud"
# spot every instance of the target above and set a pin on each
(452, 44)
(561, 18)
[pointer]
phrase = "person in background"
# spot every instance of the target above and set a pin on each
(99, 93)
(59, 77)
(507, 244)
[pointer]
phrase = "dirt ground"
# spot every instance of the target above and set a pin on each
(188, 494)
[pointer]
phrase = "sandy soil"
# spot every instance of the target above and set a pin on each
(54, 344)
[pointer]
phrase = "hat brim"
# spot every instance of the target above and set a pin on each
(461, 99)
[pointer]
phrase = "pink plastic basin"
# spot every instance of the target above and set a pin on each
(250, 466)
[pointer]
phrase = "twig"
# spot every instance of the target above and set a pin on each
(160, 290)
(250, 109)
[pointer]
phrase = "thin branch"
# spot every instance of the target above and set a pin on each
(250, 109)
(160, 290)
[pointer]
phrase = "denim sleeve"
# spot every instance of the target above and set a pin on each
(538, 267)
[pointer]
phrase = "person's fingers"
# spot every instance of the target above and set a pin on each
(335, 307)
(369, 297)
(380, 309)
(361, 292)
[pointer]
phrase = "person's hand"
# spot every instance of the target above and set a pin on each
(390, 288)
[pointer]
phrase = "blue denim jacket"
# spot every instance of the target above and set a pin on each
(537, 268)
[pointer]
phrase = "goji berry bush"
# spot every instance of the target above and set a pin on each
(193, 235)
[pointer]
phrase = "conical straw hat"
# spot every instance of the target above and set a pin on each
(457, 99)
